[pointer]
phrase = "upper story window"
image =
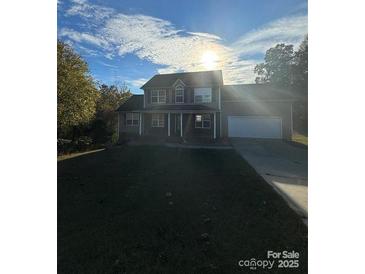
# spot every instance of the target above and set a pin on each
(179, 94)
(158, 96)
(202, 95)
(132, 119)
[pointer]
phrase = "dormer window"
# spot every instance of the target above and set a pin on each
(179, 94)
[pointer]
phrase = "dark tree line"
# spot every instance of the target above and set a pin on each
(287, 68)
(85, 109)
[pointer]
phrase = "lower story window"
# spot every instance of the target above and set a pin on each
(202, 121)
(132, 119)
(158, 120)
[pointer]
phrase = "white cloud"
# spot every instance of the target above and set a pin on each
(285, 30)
(108, 65)
(161, 43)
(87, 51)
(239, 71)
(137, 83)
(206, 35)
(87, 10)
(83, 37)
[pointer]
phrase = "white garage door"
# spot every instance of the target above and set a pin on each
(254, 127)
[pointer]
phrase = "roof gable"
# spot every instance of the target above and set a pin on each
(178, 82)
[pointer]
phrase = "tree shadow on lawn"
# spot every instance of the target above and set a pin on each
(116, 214)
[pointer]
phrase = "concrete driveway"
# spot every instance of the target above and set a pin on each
(284, 166)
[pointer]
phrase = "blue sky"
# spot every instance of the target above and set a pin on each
(130, 41)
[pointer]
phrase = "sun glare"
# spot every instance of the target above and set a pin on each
(209, 59)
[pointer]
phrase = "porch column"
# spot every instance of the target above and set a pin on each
(168, 124)
(140, 124)
(118, 126)
(181, 124)
(215, 125)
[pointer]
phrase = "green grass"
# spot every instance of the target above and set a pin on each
(114, 215)
(299, 138)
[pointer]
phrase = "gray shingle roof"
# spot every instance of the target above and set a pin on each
(135, 102)
(197, 79)
(255, 92)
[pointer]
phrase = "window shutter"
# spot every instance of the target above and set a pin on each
(148, 94)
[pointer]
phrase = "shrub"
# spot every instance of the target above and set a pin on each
(64, 146)
(115, 138)
(83, 142)
(99, 132)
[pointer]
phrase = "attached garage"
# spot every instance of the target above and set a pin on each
(256, 111)
(255, 127)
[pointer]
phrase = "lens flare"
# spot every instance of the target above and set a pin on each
(209, 59)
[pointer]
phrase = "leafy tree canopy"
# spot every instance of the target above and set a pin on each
(301, 67)
(77, 94)
(288, 68)
(111, 97)
(285, 67)
(277, 66)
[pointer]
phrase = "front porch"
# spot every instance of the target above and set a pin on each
(187, 126)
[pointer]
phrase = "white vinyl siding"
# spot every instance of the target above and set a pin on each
(132, 119)
(158, 96)
(202, 95)
(179, 95)
(202, 121)
(158, 120)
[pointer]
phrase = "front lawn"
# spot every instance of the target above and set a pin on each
(164, 210)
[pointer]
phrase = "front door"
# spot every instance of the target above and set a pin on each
(177, 124)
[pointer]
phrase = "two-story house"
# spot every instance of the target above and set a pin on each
(198, 105)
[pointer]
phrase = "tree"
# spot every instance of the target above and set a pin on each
(288, 68)
(277, 66)
(300, 86)
(111, 97)
(76, 91)
(285, 67)
(300, 71)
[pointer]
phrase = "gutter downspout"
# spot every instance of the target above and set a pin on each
(291, 121)
(215, 126)
(168, 124)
